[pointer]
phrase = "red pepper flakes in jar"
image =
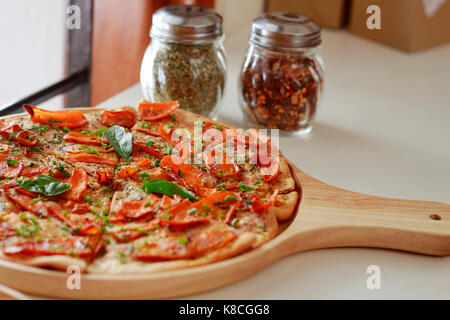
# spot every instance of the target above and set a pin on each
(282, 76)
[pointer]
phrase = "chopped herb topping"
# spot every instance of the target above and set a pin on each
(11, 162)
(89, 200)
(168, 149)
(245, 188)
(27, 230)
(230, 198)
(91, 150)
(61, 169)
(100, 132)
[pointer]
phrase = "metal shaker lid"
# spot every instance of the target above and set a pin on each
(285, 30)
(186, 23)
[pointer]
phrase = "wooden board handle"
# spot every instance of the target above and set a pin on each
(332, 217)
(7, 293)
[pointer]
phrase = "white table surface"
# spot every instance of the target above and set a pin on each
(383, 129)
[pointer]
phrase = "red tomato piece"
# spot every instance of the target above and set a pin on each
(196, 245)
(71, 220)
(137, 209)
(76, 149)
(43, 208)
(151, 150)
(132, 233)
(15, 132)
(158, 173)
(79, 182)
(168, 202)
(35, 171)
(90, 230)
(26, 192)
(217, 206)
(125, 118)
(10, 167)
(210, 240)
(69, 118)
(85, 138)
(166, 133)
(90, 158)
(182, 144)
(251, 137)
(144, 163)
(268, 167)
(189, 175)
(257, 204)
(149, 127)
(256, 137)
(154, 111)
(24, 202)
(105, 176)
(179, 217)
(155, 173)
(220, 164)
(75, 207)
(84, 247)
(127, 172)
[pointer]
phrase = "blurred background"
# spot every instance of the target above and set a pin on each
(103, 55)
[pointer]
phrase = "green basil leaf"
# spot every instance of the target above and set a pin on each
(168, 188)
(46, 185)
(120, 140)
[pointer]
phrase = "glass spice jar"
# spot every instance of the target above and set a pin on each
(282, 75)
(185, 60)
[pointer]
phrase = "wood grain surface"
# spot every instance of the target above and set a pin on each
(11, 294)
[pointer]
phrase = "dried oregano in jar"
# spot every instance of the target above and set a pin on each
(192, 74)
(186, 59)
(282, 76)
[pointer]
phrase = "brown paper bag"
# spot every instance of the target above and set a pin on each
(410, 25)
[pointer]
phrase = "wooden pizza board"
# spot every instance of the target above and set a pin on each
(10, 294)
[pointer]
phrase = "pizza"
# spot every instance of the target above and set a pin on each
(136, 190)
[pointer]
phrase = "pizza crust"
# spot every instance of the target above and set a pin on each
(285, 205)
(113, 266)
(285, 181)
(54, 262)
(270, 229)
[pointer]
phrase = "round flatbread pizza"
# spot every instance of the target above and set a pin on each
(142, 190)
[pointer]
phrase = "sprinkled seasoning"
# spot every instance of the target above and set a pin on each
(282, 75)
(281, 90)
(194, 75)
